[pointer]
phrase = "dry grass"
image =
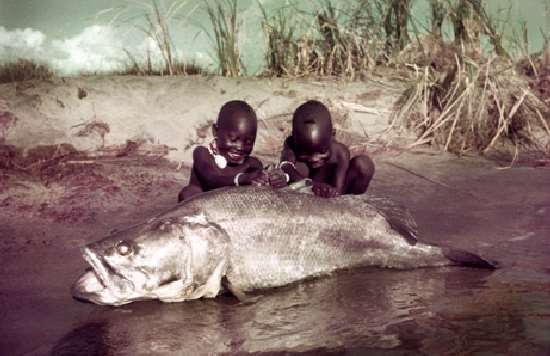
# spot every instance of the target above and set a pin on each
(536, 66)
(158, 21)
(463, 99)
(474, 107)
(281, 48)
(223, 16)
(24, 69)
(146, 68)
(460, 99)
(338, 39)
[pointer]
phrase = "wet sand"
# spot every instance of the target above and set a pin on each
(469, 202)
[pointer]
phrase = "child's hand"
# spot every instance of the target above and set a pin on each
(277, 178)
(324, 190)
(258, 178)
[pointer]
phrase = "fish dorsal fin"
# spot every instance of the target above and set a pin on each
(398, 217)
(403, 229)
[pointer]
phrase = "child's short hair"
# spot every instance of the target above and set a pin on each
(312, 112)
(233, 109)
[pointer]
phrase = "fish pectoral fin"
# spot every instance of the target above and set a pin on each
(212, 286)
(243, 298)
(176, 291)
(181, 290)
(239, 293)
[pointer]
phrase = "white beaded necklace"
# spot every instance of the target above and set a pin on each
(220, 160)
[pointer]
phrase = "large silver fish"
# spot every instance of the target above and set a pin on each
(251, 238)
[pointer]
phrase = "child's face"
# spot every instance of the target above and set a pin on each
(235, 139)
(312, 145)
(314, 159)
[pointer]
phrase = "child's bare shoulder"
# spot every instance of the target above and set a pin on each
(201, 152)
(338, 149)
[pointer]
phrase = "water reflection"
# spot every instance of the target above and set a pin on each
(89, 339)
(437, 311)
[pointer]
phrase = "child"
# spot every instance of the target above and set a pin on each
(311, 152)
(227, 160)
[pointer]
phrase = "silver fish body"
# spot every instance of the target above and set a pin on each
(253, 238)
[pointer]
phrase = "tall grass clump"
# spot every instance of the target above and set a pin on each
(472, 29)
(337, 39)
(463, 97)
(281, 47)
(223, 15)
(437, 16)
(536, 66)
(343, 48)
(23, 70)
(476, 106)
(471, 20)
(154, 20)
(396, 20)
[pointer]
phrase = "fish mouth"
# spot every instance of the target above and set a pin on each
(99, 267)
(101, 284)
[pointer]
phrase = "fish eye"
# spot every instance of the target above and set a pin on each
(124, 248)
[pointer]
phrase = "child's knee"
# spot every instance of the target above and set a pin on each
(363, 166)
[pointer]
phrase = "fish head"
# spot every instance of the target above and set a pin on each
(156, 260)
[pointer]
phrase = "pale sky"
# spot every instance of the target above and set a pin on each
(70, 35)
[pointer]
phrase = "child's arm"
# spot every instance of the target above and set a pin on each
(339, 162)
(254, 174)
(288, 164)
(208, 173)
(212, 177)
(341, 155)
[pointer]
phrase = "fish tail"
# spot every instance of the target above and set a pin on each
(468, 259)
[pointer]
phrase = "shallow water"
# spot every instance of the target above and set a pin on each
(435, 311)
(425, 311)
